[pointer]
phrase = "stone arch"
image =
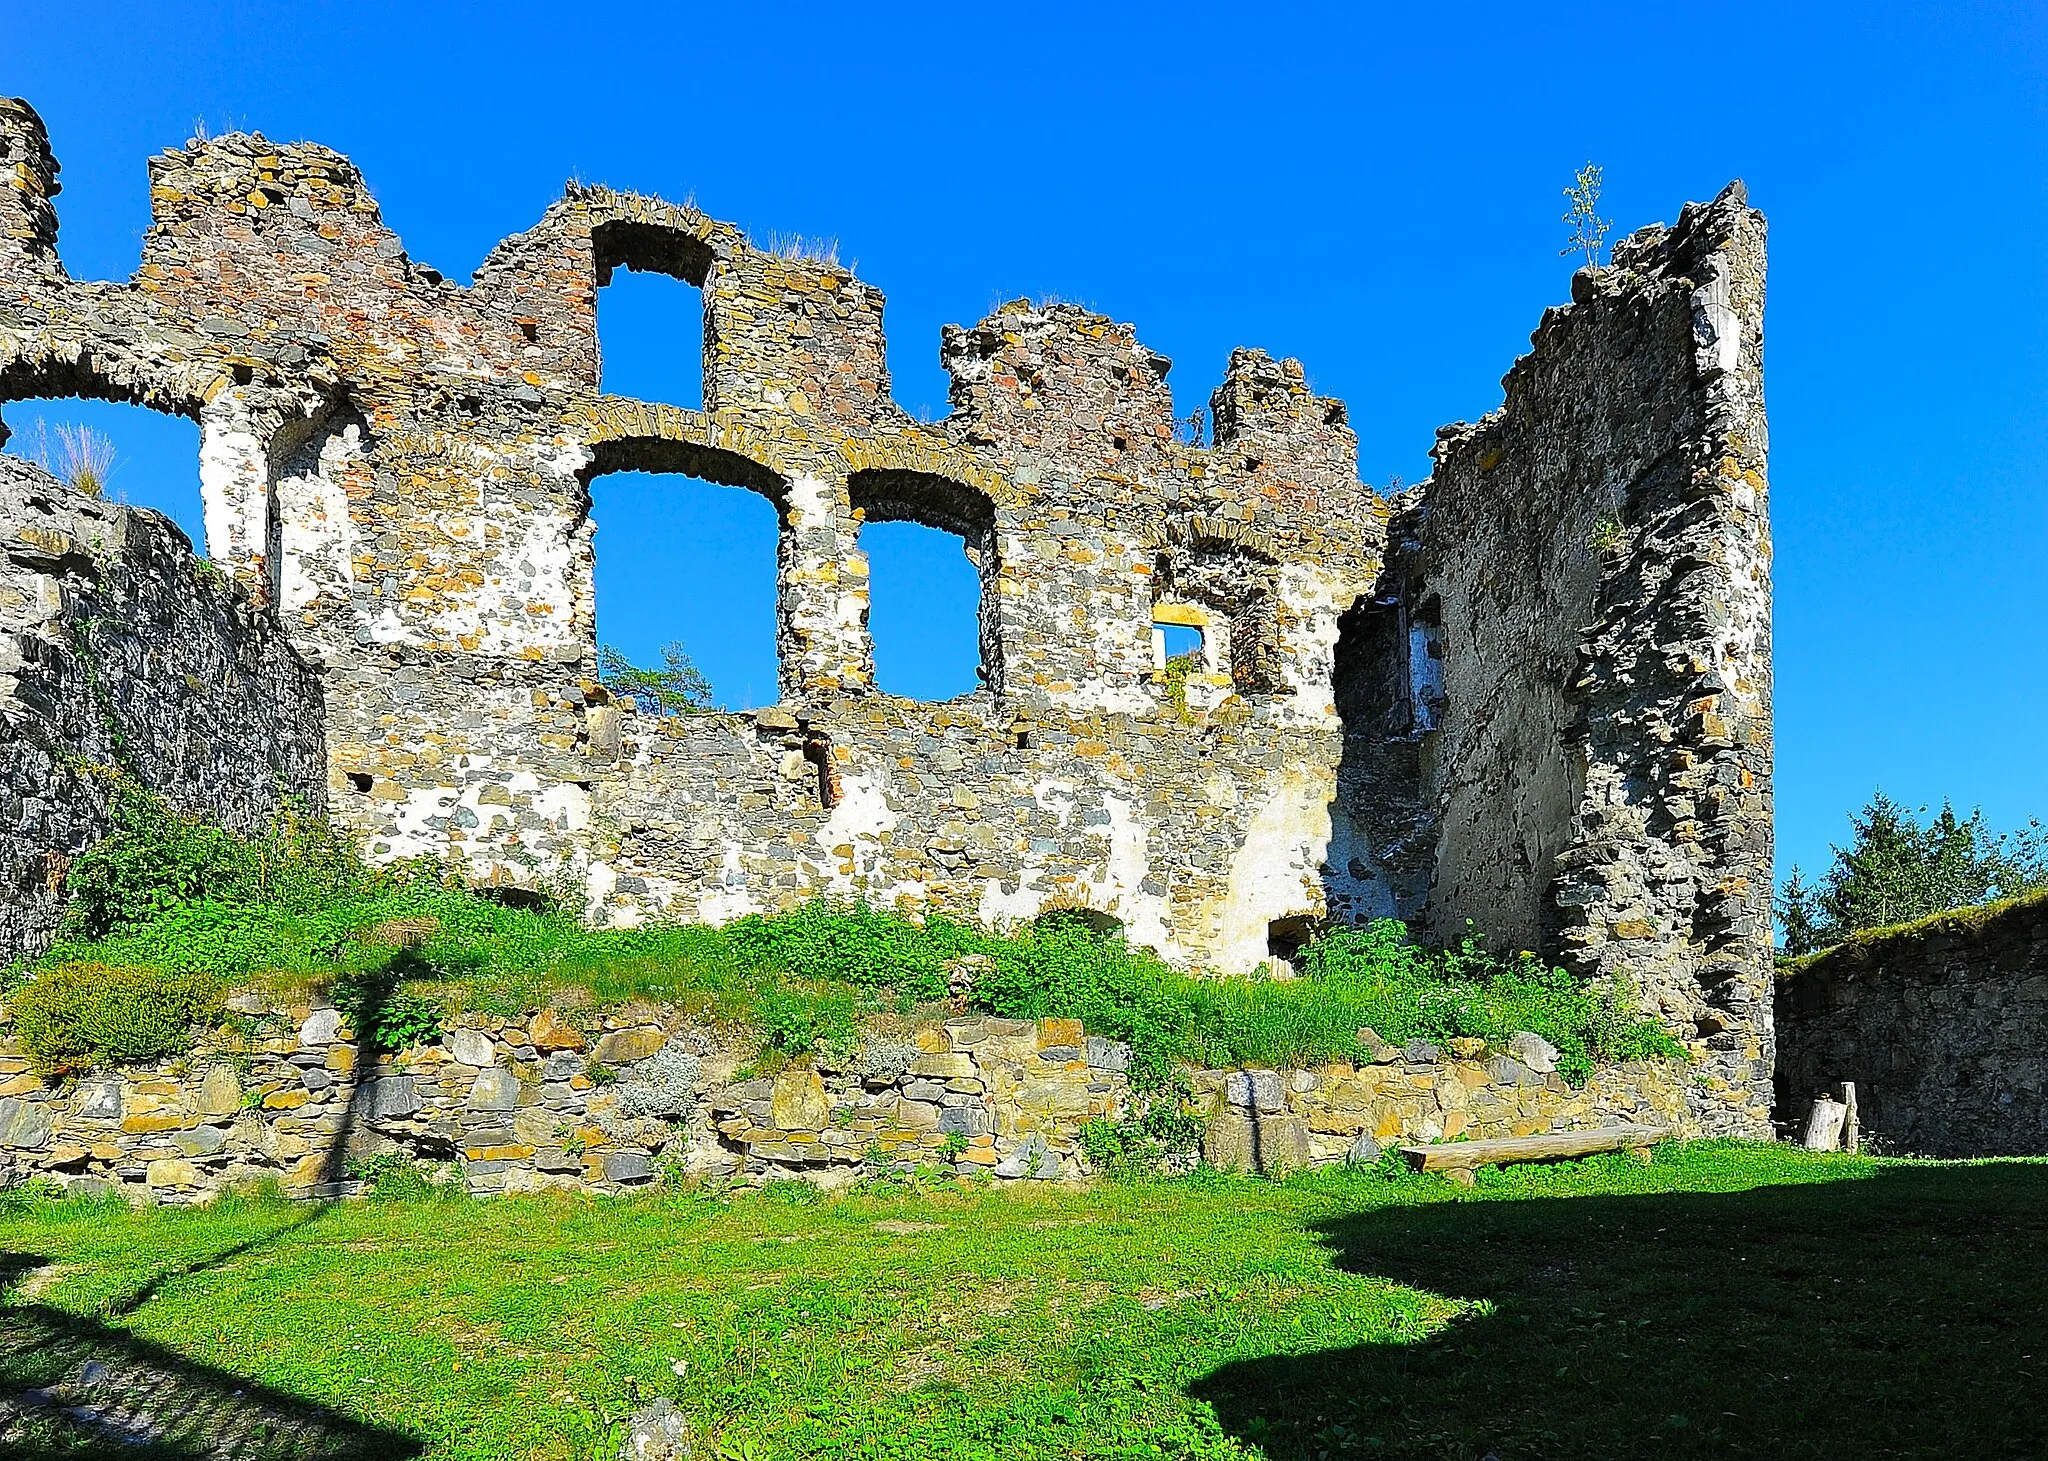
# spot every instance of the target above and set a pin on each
(668, 457)
(895, 495)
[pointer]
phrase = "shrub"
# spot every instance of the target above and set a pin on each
(72, 1017)
(386, 1016)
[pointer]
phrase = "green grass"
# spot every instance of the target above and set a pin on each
(1723, 1300)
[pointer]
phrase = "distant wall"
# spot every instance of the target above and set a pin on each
(120, 650)
(1942, 1026)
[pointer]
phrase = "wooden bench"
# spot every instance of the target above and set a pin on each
(1457, 1159)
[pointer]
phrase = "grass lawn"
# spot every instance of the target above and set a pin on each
(1724, 1300)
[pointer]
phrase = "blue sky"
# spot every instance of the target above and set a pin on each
(1372, 189)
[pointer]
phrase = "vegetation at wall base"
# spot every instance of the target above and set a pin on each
(1602, 1308)
(167, 896)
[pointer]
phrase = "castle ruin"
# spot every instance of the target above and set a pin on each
(1532, 692)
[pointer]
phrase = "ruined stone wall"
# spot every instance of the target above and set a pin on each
(1545, 708)
(1586, 576)
(606, 1101)
(1943, 1026)
(120, 651)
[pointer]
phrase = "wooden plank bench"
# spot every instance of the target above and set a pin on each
(1458, 1159)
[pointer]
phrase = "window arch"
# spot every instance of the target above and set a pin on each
(679, 557)
(920, 641)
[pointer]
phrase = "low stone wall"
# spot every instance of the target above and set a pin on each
(1942, 1026)
(1271, 1120)
(582, 1101)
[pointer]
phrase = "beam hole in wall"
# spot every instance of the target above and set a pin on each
(651, 331)
(144, 458)
(360, 782)
(930, 546)
(692, 563)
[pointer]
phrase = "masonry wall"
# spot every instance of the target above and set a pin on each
(1511, 714)
(581, 1100)
(1942, 1026)
(1588, 572)
(121, 651)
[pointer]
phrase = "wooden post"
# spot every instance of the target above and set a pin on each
(1824, 1124)
(1852, 1125)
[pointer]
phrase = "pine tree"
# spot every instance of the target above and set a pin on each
(1895, 870)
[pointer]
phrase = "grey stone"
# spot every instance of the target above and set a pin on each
(628, 1166)
(1260, 1090)
(965, 1121)
(200, 1141)
(24, 1125)
(1532, 1050)
(495, 1090)
(656, 1432)
(1421, 1052)
(1104, 1054)
(322, 1027)
(1364, 1151)
(1505, 1070)
(388, 1098)
(100, 1100)
(470, 1047)
(924, 1091)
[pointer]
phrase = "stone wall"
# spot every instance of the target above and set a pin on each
(1501, 719)
(1943, 1027)
(605, 1102)
(120, 651)
(1582, 594)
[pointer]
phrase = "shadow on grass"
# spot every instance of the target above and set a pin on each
(1905, 1314)
(77, 1388)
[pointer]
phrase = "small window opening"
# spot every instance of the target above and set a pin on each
(1188, 657)
(650, 331)
(359, 782)
(1252, 464)
(531, 899)
(126, 454)
(686, 591)
(818, 751)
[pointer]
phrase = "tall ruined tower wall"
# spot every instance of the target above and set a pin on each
(396, 471)
(1595, 558)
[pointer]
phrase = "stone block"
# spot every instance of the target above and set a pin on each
(1104, 1054)
(944, 1065)
(1060, 1032)
(470, 1047)
(24, 1125)
(495, 1090)
(99, 1100)
(322, 1027)
(799, 1102)
(172, 1172)
(621, 1047)
(1533, 1051)
(201, 1141)
(550, 1032)
(1260, 1090)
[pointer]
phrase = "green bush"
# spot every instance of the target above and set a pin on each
(72, 1017)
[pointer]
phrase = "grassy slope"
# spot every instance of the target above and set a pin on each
(1725, 1300)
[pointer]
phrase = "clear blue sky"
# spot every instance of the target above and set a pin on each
(1372, 189)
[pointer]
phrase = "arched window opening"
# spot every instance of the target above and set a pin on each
(652, 338)
(126, 454)
(685, 581)
(930, 546)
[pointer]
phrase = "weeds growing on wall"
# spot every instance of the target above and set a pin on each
(172, 904)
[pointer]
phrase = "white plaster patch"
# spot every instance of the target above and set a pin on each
(1276, 874)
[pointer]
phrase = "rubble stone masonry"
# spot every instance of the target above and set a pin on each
(1545, 708)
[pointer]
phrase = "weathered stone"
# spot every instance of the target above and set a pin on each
(172, 1172)
(24, 1125)
(393, 1097)
(322, 1027)
(656, 1432)
(799, 1102)
(628, 1166)
(550, 1032)
(99, 1100)
(470, 1047)
(200, 1141)
(1235, 1142)
(1261, 1090)
(1533, 1051)
(495, 1090)
(621, 1047)
(220, 1093)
